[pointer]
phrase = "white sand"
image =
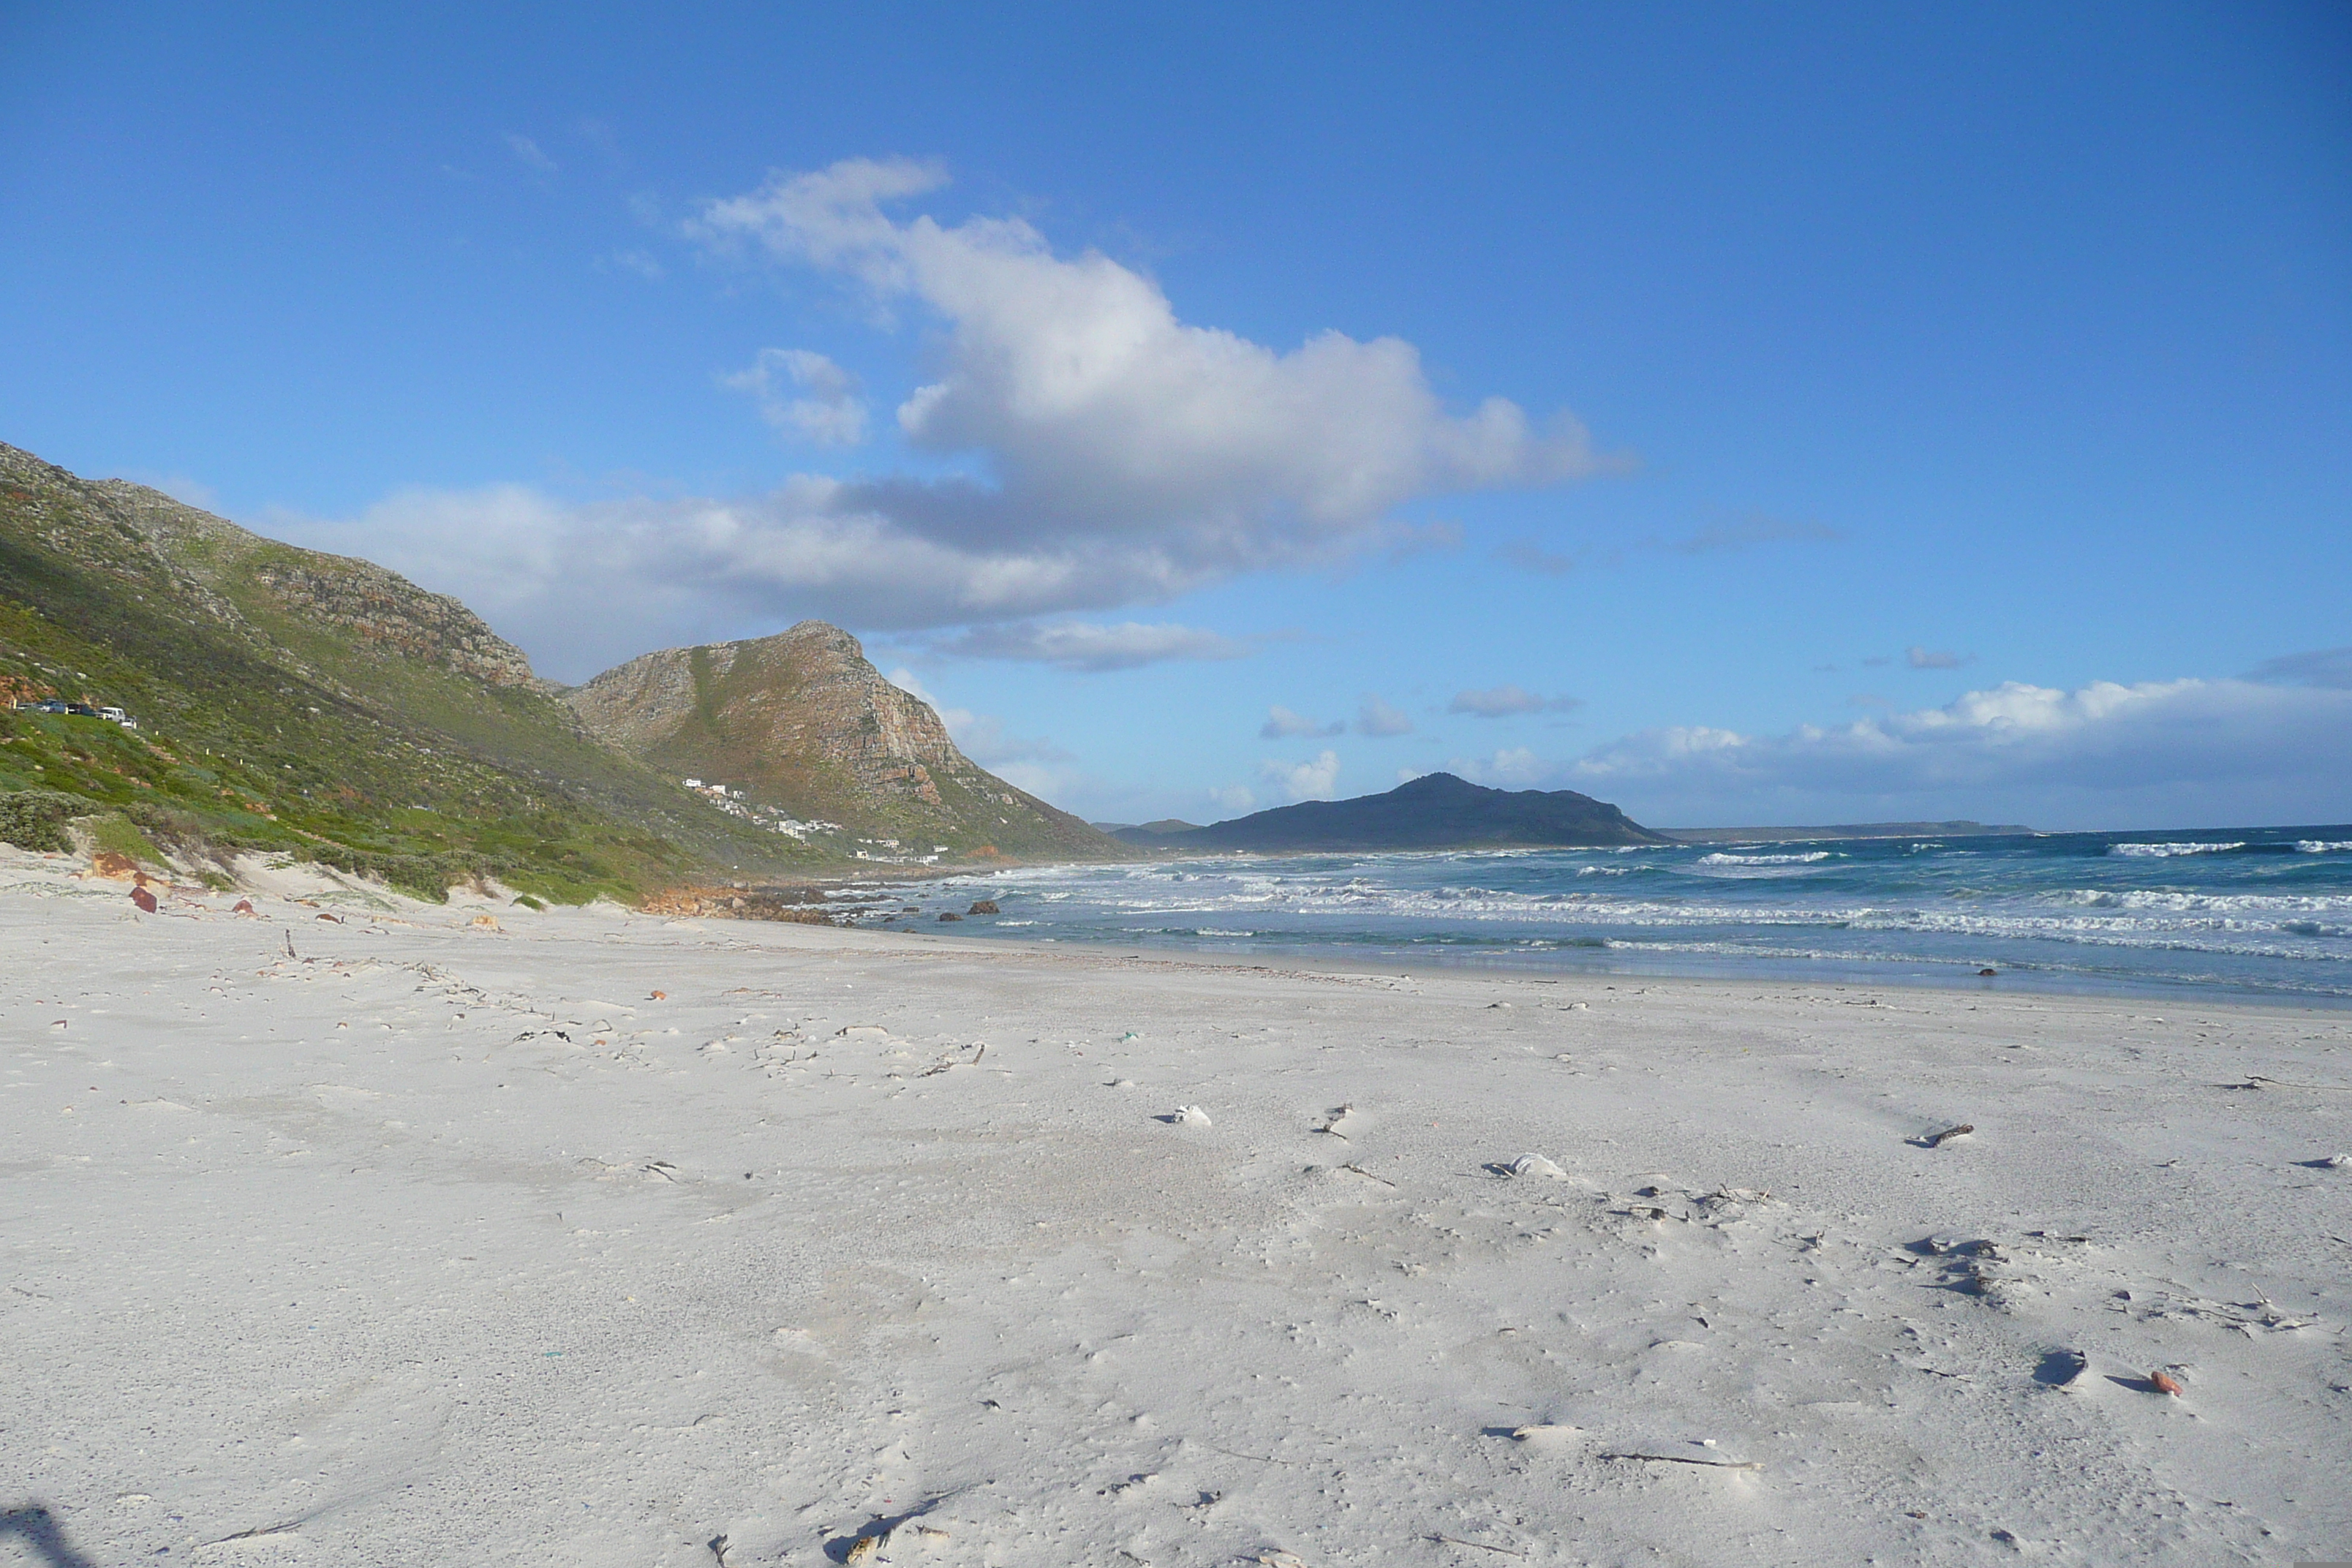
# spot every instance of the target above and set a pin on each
(431, 1244)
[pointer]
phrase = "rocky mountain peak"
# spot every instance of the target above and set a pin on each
(804, 723)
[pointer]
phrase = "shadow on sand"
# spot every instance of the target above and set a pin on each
(37, 1528)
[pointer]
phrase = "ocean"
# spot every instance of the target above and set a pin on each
(2255, 913)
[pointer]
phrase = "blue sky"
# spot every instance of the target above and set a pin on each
(1835, 414)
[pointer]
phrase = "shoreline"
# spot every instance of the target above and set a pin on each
(1845, 975)
(1967, 989)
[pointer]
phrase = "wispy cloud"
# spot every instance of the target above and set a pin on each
(1919, 657)
(1282, 724)
(527, 152)
(1528, 557)
(2326, 666)
(1378, 718)
(1505, 701)
(1082, 646)
(1746, 532)
(821, 408)
(644, 263)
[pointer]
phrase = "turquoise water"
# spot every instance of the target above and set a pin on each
(2252, 912)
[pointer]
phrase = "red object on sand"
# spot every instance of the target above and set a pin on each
(143, 898)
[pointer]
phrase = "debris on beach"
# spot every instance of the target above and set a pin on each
(1535, 1166)
(1937, 1140)
(1335, 1122)
(1690, 1459)
(2163, 1382)
(144, 900)
(1543, 1432)
(1187, 1116)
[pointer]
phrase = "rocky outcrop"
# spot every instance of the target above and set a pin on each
(802, 722)
(388, 614)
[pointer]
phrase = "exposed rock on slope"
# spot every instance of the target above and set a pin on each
(803, 723)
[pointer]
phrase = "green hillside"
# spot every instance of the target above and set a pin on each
(289, 699)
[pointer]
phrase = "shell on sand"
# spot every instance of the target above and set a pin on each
(2163, 1382)
(1535, 1166)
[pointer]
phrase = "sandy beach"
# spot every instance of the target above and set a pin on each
(601, 1238)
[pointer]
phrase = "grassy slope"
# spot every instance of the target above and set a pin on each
(264, 728)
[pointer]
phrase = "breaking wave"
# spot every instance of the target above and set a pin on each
(2112, 911)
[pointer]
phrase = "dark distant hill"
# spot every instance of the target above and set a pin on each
(1841, 830)
(1436, 811)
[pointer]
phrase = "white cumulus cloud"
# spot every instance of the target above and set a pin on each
(1312, 779)
(1131, 455)
(1239, 799)
(2155, 753)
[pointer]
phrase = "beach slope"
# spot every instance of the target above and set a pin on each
(597, 1238)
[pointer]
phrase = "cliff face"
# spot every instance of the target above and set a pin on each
(801, 723)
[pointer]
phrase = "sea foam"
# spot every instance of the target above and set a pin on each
(2165, 851)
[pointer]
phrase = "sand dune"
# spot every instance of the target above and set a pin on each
(596, 1238)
